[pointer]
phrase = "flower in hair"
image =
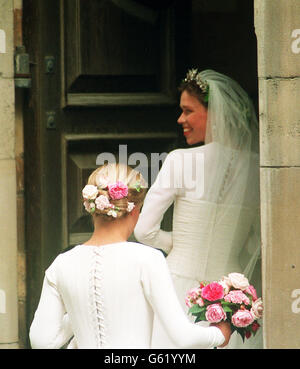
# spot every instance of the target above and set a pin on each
(102, 202)
(117, 190)
(90, 192)
(112, 213)
(130, 206)
(138, 186)
(89, 206)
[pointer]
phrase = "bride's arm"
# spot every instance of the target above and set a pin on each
(160, 292)
(159, 198)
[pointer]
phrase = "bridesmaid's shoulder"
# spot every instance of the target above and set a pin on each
(147, 251)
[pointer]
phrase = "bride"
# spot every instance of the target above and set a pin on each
(214, 189)
(106, 291)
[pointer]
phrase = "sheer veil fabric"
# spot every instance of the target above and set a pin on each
(233, 176)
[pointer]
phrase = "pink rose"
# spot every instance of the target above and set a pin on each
(102, 202)
(242, 318)
(257, 308)
(255, 326)
(237, 297)
(199, 301)
(117, 190)
(215, 313)
(213, 291)
(188, 302)
(193, 294)
(89, 206)
(252, 291)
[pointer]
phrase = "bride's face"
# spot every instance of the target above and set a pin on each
(193, 118)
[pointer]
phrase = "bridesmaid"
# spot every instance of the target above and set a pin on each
(105, 292)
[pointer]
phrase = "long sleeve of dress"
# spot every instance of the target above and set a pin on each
(160, 292)
(50, 328)
(158, 199)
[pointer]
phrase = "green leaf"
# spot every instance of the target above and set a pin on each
(196, 309)
(227, 309)
(200, 317)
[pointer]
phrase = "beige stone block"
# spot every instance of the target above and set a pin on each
(279, 122)
(278, 41)
(280, 209)
(9, 346)
(8, 253)
(7, 119)
(6, 24)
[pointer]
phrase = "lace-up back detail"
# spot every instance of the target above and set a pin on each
(96, 297)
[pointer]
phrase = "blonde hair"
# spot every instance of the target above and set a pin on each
(112, 173)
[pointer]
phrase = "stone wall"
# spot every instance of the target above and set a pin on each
(279, 96)
(8, 219)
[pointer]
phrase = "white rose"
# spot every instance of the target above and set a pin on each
(112, 213)
(130, 206)
(90, 192)
(226, 284)
(102, 202)
(257, 308)
(238, 281)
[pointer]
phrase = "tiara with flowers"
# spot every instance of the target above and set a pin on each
(194, 76)
(116, 191)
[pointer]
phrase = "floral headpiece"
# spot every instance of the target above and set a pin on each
(116, 191)
(194, 76)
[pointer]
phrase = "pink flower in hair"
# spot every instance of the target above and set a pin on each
(117, 190)
(102, 202)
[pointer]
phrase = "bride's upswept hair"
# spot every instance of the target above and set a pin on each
(193, 89)
(112, 173)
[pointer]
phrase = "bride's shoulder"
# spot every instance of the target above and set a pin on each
(182, 151)
(182, 154)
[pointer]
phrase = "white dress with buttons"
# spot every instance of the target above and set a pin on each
(106, 296)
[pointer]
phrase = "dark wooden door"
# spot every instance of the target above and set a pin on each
(104, 74)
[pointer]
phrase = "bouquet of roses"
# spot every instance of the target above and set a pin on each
(232, 299)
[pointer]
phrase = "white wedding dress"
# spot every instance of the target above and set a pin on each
(106, 296)
(207, 241)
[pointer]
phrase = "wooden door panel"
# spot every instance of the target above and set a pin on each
(114, 48)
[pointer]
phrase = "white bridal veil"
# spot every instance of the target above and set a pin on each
(233, 178)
